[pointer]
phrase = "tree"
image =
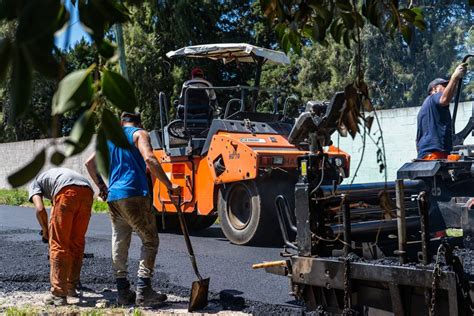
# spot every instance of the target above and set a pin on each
(347, 22)
(93, 90)
(96, 91)
(398, 72)
(149, 36)
(469, 49)
(342, 19)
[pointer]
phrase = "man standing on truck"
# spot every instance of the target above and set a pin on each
(130, 209)
(72, 196)
(433, 138)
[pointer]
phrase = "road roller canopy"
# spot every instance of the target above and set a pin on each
(229, 52)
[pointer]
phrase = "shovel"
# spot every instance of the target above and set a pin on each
(200, 288)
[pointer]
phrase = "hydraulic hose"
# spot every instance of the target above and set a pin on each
(456, 98)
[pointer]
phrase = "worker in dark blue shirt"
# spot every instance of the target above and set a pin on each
(434, 133)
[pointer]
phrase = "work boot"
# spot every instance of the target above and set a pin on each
(73, 293)
(74, 290)
(146, 296)
(52, 299)
(125, 295)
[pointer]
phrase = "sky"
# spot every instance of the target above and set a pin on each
(75, 29)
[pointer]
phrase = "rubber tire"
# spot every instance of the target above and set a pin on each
(262, 226)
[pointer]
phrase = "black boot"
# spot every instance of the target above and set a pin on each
(146, 296)
(125, 295)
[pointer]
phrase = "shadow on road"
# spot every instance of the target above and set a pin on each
(213, 232)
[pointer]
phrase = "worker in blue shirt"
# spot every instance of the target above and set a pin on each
(434, 132)
(130, 209)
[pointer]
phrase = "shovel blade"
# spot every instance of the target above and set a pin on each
(199, 294)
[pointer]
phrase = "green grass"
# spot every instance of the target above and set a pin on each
(13, 197)
(18, 197)
(70, 310)
(100, 206)
(20, 311)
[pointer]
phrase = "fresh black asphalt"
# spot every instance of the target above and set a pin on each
(23, 258)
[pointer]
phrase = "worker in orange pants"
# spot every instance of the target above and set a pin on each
(72, 198)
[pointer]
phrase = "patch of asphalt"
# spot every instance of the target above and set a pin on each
(25, 267)
(228, 266)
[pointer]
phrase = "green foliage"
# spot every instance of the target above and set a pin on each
(33, 310)
(32, 49)
(81, 133)
(100, 206)
(74, 90)
(113, 130)
(102, 153)
(19, 311)
(32, 46)
(469, 48)
(13, 197)
(150, 35)
(396, 71)
(5, 49)
(57, 158)
(342, 20)
(118, 91)
(26, 173)
(21, 82)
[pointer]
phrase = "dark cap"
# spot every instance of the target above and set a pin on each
(436, 82)
(133, 117)
(197, 72)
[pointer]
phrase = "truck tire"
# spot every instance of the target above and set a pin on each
(246, 212)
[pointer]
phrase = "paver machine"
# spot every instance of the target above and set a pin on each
(404, 247)
(231, 165)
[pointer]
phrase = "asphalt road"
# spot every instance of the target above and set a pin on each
(228, 266)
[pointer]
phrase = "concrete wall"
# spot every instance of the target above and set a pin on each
(399, 133)
(13, 156)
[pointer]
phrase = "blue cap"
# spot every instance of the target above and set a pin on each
(436, 82)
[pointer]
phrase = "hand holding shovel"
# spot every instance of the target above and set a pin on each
(200, 288)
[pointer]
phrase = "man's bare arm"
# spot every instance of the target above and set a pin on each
(142, 142)
(450, 90)
(96, 177)
(41, 214)
(448, 93)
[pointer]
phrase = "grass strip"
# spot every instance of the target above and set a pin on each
(70, 310)
(18, 197)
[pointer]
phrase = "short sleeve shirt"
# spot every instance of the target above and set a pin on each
(127, 174)
(50, 182)
(433, 127)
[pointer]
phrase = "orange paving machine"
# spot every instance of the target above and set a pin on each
(232, 165)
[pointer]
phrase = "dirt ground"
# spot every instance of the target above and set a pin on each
(93, 302)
